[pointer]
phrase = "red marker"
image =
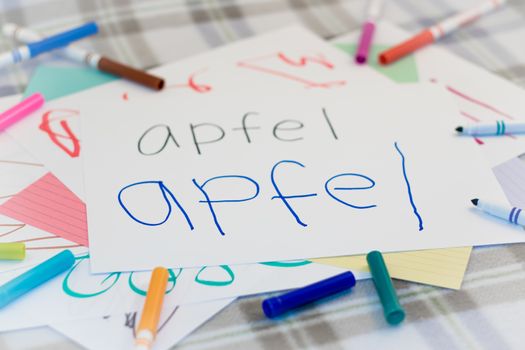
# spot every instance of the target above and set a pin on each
(438, 31)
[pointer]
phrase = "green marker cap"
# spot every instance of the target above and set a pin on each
(394, 312)
(12, 251)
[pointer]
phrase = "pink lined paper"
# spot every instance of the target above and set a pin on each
(49, 205)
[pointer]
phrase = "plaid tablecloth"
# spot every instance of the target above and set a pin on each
(489, 310)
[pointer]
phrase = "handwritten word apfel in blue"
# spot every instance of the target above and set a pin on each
(253, 189)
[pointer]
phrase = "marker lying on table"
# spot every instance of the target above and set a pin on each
(21, 110)
(497, 128)
(512, 215)
(12, 251)
(367, 30)
(91, 59)
(36, 276)
(393, 311)
(438, 31)
(277, 306)
(149, 320)
(56, 41)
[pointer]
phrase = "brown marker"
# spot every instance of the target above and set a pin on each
(141, 77)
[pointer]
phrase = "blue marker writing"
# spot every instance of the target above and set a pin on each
(285, 198)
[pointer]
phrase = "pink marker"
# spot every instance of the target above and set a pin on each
(21, 110)
(367, 31)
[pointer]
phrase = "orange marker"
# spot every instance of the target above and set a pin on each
(149, 320)
(438, 31)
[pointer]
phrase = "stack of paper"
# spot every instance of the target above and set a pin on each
(256, 158)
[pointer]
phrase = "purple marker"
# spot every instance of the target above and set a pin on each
(367, 31)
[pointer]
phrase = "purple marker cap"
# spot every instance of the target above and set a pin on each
(367, 32)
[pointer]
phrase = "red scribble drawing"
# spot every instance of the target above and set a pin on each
(478, 141)
(475, 101)
(125, 96)
(264, 64)
(55, 119)
(303, 61)
(470, 116)
(194, 86)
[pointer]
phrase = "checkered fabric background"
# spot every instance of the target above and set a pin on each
(486, 313)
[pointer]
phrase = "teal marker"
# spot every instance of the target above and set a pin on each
(394, 312)
(35, 277)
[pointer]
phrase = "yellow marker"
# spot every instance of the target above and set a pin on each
(151, 311)
(12, 251)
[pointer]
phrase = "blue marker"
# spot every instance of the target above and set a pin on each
(276, 306)
(35, 277)
(24, 53)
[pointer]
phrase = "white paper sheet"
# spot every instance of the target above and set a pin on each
(332, 135)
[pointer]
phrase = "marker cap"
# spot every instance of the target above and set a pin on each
(393, 311)
(62, 39)
(36, 276)
(406, 47)
(12, 251)
(278, 305)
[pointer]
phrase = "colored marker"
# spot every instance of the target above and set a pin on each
(438, 31)
(21, 110)
(12, 251)
(277, 306)
(367, 30)
(36, 276)
(512, 215)
(492, 129)
(91, 59)
(149, 320)
(56, 41)
(393, 311)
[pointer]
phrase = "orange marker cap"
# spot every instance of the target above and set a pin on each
(406, 47)
(149, 320)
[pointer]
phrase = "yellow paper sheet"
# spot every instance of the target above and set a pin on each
(437, 267)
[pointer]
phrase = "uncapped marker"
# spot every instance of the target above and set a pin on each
(437, 31)
(149, 320)
(497, 128)
(510, 214)
(53, 42)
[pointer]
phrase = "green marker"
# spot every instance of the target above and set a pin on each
(394, 313)
(12, 251)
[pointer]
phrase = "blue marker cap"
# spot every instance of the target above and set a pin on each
(62, 39)
(276, 306)
(36, 276)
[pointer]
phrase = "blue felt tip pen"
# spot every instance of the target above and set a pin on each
(276, 306)
(56, 41)
(35, 277)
